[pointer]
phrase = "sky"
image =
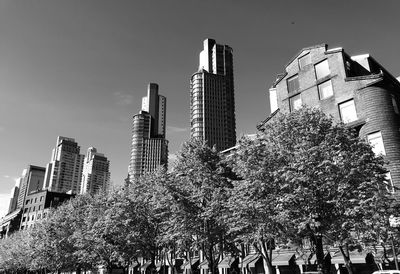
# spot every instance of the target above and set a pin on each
(79, 68)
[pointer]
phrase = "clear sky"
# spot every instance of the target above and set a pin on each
(79, 68)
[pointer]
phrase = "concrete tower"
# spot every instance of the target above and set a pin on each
(149, 149)
(64, 172)
(96, 173)
(212, 100)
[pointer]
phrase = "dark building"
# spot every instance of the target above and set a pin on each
(355, 90)
(212, 100)
(32, 180)
(37, 205)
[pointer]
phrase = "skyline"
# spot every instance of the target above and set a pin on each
(79, 68)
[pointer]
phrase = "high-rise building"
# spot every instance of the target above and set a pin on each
(355, 90)
(14, 196)
(212, 100)
(32, 180)
(64, 172)
(149, 148)
(96, 172)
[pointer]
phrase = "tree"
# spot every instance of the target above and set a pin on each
(317, 179)
(196, 191)
(15, 253)
(54, 241)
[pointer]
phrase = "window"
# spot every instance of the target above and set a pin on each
(348, 111)
(376, 141)
(304, 60)
(295, 102)
(27, 202)
(322, 69)
(325, 90)
(394, 103)
(389, 183)
(293, 83)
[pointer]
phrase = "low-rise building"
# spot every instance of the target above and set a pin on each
(37, 205)
(355, 90)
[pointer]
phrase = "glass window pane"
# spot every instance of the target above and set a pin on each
(325, 89)
(304, 60)
(293, 83)
(376, 141)
(394, 103)
(295, 102)
(322, 69)
(348, 111)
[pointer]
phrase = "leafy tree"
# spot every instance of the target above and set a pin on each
(196, 190)
(53, 240)
(15, 254)
(303, 176)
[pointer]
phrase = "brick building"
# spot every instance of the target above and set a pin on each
(355, 90)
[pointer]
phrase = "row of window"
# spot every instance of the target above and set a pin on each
(321, 71)
(33, 201)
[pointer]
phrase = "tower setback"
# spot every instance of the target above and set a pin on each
(212, 101)
(149, 148)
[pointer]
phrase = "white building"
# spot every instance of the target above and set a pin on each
(96, 172)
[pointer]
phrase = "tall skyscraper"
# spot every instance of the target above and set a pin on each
(212, 100)
(64, 172)
(14, 197)
(96, 173)
(32, 180)
(149, 148)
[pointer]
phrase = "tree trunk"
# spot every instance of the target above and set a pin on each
(266, 254)
(320, 252)
(346, 258)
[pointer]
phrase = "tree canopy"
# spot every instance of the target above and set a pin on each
(305, 175)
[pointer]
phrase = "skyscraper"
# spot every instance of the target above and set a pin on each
(212, 100)
(96, 174)
(64, 172)
(149, 148)
(14, 197)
